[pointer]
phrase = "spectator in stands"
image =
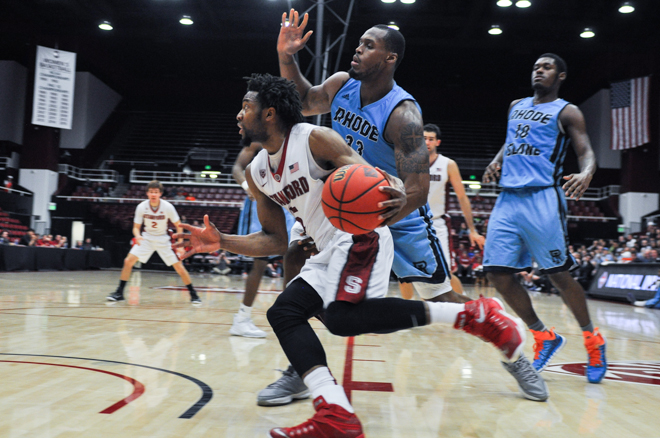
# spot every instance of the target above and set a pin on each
(464, 263)
(29, 239)
(88, 244)
(271, 271)
(9, 183)
(654, 256)
(644, 256)
(222, 262)
(4, 238)
(190, 197)
(585, 272)
(627, 256)
(46, 240)
(63, 243)
(79, 245)
(463, 233)
(179, 196)
(644, 245)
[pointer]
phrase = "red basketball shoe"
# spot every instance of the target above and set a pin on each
(330, 421)
(486, 319)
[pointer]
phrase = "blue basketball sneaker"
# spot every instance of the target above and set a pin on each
(596, 362)
(546, 344)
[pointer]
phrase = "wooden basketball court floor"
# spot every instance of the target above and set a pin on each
(155, 366)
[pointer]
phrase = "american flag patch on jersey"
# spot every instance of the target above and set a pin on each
(294, 167)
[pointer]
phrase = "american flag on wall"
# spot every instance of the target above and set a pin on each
(630, 113)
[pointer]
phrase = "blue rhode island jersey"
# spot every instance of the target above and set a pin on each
(535, 145)
(363, 128)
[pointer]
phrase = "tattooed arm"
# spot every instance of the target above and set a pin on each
(406, 130)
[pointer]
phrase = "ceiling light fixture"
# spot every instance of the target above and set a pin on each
(408, 2)
(504, 3)
(523, 4)
(495, 30)
(388, 1)
(587, 33)
(393, 25)
(626, 8)
(105, 25)
(186, 20)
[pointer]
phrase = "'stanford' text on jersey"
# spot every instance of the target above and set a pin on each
(297, 184)
(155, 222)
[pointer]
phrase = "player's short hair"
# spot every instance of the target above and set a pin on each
(155, 184)
(279, 93)
(430, 127)
(559, 62)
(394, 42)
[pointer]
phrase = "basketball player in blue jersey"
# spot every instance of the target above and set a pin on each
(529, 218)
(383, 123)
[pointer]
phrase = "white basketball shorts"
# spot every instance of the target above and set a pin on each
(161, 244)
(351, 267)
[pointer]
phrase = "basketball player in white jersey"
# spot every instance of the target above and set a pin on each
(154, 214)
(443, 170)
(348, 279)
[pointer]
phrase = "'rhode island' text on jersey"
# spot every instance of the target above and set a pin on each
(363, 127)
(535, 145)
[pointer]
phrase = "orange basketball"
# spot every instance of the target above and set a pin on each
(351, 197)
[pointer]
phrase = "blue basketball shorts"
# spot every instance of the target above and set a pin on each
(418, 255)
(528, 223)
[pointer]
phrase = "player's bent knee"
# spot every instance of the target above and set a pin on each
(338, 318)
(294, 306)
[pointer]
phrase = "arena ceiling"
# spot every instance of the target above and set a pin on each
(151, 59)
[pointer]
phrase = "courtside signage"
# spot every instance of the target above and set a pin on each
(617, 280)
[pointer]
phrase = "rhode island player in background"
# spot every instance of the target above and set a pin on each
(529, 218)
(154, 213)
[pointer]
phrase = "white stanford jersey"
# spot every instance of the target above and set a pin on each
(438, 190)
(297, 184)
(155, 221)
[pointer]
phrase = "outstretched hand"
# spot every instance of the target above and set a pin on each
(397, 201)
(291, 39)
(202, 240)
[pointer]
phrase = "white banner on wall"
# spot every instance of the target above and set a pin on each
(54, 80)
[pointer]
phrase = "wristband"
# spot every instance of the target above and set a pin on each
(245, 186)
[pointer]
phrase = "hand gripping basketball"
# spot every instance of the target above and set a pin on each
(351, 198)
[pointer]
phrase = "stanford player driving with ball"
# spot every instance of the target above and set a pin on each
(348, 279)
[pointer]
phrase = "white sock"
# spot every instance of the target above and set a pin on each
(321, 383)
(245, 311)
(444, 313)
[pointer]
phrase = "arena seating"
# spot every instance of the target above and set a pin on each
(169, 137)
(13, 226)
